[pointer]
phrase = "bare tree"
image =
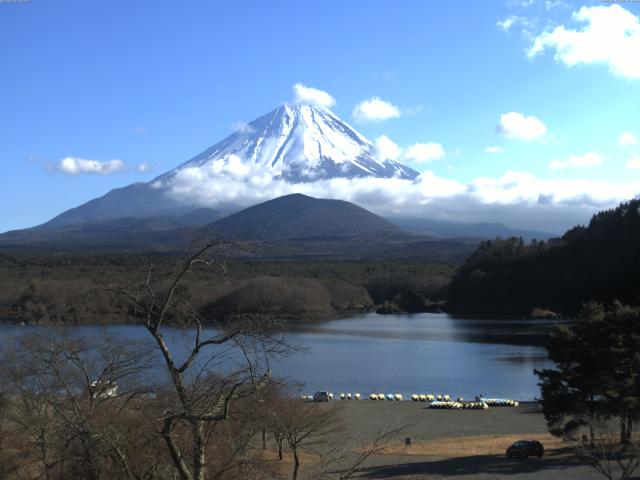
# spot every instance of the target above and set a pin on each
(603, 450)
(306, 425)
(203, 387)
(269, 409)
(68, 398)
(8, 463)
(315, 434)
(340, 460)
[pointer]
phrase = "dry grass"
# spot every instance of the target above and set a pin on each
(470, 446)
(284, 467)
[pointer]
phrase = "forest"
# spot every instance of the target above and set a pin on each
(598, 262)
(71, 289)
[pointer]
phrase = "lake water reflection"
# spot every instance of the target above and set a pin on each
(420, 353)
(423, 353)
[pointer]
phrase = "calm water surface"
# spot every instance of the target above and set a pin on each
(421, 353)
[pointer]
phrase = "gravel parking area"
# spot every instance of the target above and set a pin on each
(463, 444)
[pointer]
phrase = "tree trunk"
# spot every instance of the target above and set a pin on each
(176, 456)
(264, 438)
(279, 441)
(44, 457)
(623, 428)
(296, 463)
(592, 434)
(199, 454)
(628, 429)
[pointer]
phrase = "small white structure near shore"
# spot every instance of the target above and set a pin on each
(104, 389)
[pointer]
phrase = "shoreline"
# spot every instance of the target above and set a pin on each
(294, 322)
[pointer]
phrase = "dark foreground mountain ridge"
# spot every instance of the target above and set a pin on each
(298, 216)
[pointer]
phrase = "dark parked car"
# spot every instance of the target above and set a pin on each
(321, 397)
(525, 449)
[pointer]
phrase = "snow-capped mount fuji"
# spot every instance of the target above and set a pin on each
(299, 144)
(294, 143)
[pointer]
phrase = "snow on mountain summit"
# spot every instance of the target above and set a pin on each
(284, 151)
(301, 143)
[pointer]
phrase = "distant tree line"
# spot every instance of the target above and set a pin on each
(600, 261)
(67, 289)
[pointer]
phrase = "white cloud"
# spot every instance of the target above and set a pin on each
(517, 199)
(551, 4)
(511, 21)
(312, 96)
(234, 165)
(493, 149)
(387, 149)
(518, 126)
(424, 152)
(375, 109)
(242, 127)
(588, 160)
(611, 37)
(143, 167)
(78, 166)
(626, 139)
(520, 3)
(633, 163)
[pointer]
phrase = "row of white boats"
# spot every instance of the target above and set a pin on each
(434, 401)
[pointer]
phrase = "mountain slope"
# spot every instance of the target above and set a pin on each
(294, 143)
(298, 216)
(301, 143)
(125, 231)
(135, 200)
(290, 227)
(449, 229)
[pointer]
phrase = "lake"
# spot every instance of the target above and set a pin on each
(419, 353)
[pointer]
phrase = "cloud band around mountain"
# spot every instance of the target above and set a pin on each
(588, 160)
(517, 199)
(387, 149)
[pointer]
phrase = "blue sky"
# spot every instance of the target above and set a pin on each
(550, 85)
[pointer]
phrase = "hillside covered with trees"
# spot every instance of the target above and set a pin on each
(71, 289)
(600, 262)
